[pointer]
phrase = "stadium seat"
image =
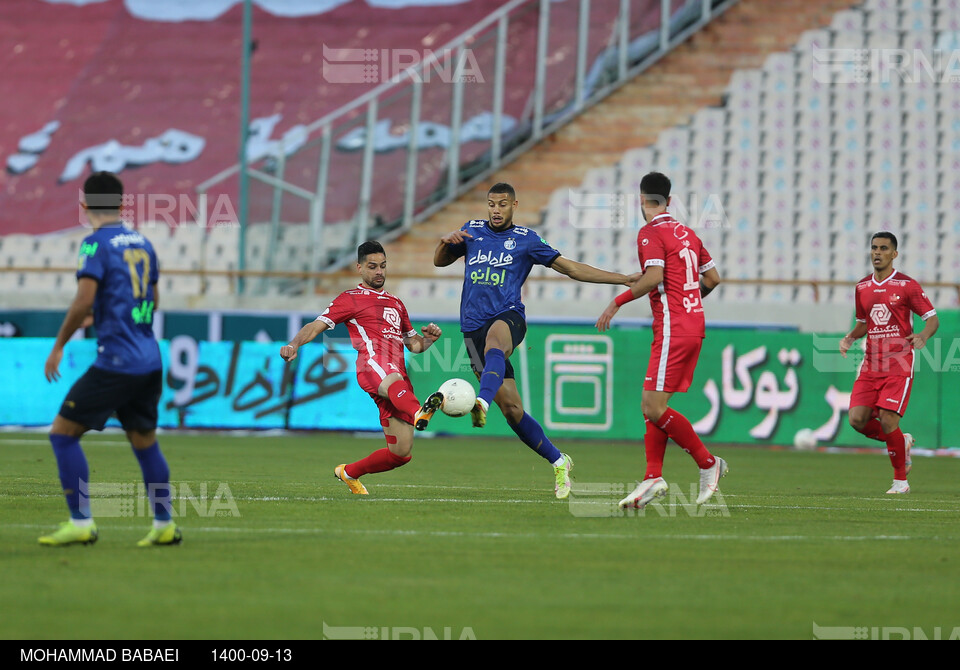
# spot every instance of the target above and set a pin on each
(11, 281)
(600, 180)
(883, 20)
(634, 164)
(848, 40)
(918, 19)
(17, 249)
(809, 169)
(850, 20)
(673, 150)
(558, 210)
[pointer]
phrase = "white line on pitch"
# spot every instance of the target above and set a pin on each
(506, 535)
(511, 501)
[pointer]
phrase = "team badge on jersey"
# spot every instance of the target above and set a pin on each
(510, 244)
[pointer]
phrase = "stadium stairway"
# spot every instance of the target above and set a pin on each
(693, 76)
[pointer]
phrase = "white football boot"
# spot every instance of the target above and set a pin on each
(710, 479)
(647, 490)
(899, 486)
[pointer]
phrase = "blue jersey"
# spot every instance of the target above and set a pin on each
(125, 266)
(497, 263)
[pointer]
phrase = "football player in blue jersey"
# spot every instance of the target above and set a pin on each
(117, 283)
(498, 257)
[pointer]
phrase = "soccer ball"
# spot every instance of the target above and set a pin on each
(458, 397)
(805, 440)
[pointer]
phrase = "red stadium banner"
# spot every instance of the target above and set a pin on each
(151, 90)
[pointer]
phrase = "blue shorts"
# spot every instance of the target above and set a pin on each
(476, 341)
(100, 393)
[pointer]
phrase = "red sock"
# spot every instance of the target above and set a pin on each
(402, 397)
(874, 430)
(897, 450)
(678, 429)
(379, 461)
(655, 444)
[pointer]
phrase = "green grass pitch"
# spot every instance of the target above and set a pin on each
(468, 541)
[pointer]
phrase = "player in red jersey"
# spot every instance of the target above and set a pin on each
(379, 329)
(885, 304)
(673, 259)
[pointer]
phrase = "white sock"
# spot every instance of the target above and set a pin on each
(83, 523)
(160, 525)
(560, 461)
(483, 404)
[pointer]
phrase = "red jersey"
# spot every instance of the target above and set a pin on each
(676, 302)
(377, 322)
(887, 307)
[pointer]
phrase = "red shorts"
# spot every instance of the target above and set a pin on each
(671, 367)
(889, 392)
(370, 380)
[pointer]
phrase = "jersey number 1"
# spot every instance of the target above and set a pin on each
(690, 260)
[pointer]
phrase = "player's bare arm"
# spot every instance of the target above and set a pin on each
(919, 340)
(587, 273)
(307, 334)
(709, 280)
(443, 256)
(417, 344)
(858, 331)
(652, 277)
(80, 310)
(648, 281)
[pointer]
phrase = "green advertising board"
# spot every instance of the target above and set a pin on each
(750, 387)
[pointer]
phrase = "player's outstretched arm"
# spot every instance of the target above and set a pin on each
(289, 351)
(445, 254)
(640, 285)
(587, 273)
(709, 281)
(417, 344)
(78, 313)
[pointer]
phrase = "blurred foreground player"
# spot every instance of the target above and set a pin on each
(379, 328)
(116, 281)
(673, 259)
(885, 303)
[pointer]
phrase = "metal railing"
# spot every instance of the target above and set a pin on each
(460, 127)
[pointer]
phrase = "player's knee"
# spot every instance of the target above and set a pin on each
(400, 445)
(512, 411)
(857, 422)
(652, 410)
(66, 427)
(140, 440)
(402, 448)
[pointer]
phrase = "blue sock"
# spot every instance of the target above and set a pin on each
(532, 435)
(74, 474)
(495, 364)
(156, 477)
